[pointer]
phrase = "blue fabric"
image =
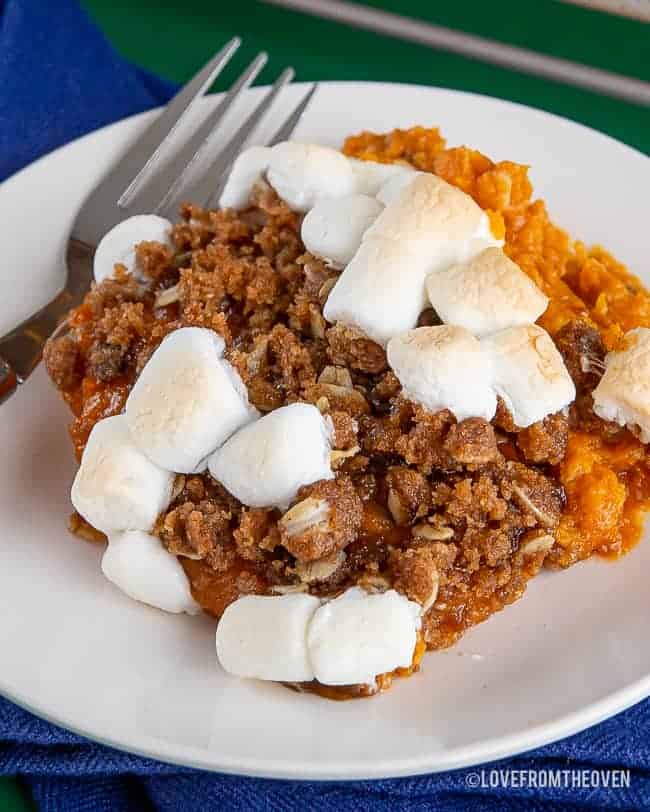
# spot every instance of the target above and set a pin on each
(59, 79)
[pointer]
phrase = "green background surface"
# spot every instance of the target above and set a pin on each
(172, 38)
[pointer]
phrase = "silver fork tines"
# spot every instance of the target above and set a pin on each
(205, 140)
(188, 155)
(223, 165)
(161, 132)
(201, 189)
(154, 174)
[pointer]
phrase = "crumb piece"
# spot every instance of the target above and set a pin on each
(409, 494)
(545, 441)
(63, 361)
(472, 442)
(583, 352)
(331, 531)
(416, 575)
(345, 429)
(348, 346)
(423, 445)
(257, 532)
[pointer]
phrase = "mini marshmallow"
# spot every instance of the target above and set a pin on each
(187, 401)
(444, 368)
(266, 637)
(392, 187)
(358, 635)
(118, 245)
(428, 227)
(265, 463)
(117, 487)
(248, 169)
(371, 176)
(139, 565)
(333, 229)
(623, 393)
(529, 373)
(487, 294)
(303, 173)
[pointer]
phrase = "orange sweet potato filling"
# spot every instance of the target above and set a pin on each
(607, 479)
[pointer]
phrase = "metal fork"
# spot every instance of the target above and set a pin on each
(154, 175)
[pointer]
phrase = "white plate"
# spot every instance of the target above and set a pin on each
(575, 650)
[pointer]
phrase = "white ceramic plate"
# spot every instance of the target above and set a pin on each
(575, 650)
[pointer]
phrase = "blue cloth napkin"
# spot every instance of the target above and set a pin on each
(59, 78)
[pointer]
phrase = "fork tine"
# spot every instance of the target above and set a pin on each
(202, 190)
(159, 135)
(284, 132)
(192, 152)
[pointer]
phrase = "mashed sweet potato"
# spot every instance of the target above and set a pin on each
(605, 473)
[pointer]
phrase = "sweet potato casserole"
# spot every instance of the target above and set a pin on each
(455, 513)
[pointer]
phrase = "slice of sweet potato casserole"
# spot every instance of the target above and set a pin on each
(352, 411)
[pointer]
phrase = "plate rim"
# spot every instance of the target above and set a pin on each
(464, 756)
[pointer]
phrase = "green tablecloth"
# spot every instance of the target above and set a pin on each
(173, 38)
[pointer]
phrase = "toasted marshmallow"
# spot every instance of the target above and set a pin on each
(357, 636)
(248, 169)
(333, 229)
(529, 373)
(303, 173)
(392, 187)
(371, 176)
(381, 291)
(187, 401)
(486, 294)
(623, 393)
(429, 226)
(266, 637)
(444, 368)
(117, 487)
(118, 245)
(265, 463)
(139, 565)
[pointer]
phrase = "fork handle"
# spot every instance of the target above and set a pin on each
(22, 348)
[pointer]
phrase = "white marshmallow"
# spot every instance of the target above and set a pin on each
(139, 565)
(303, 173)
(444, 368)
(392, 187)
(487, 294)
(357, 636)
(623, 393)
(249, 168)
(266, 637)
(371, 176)
(118, 245)
(381, 291)
(334, 227)
(187, 401)
(117, 487)
(529, 373)
(428, 227)
(265, 463)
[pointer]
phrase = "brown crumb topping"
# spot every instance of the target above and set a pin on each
(458, 516)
